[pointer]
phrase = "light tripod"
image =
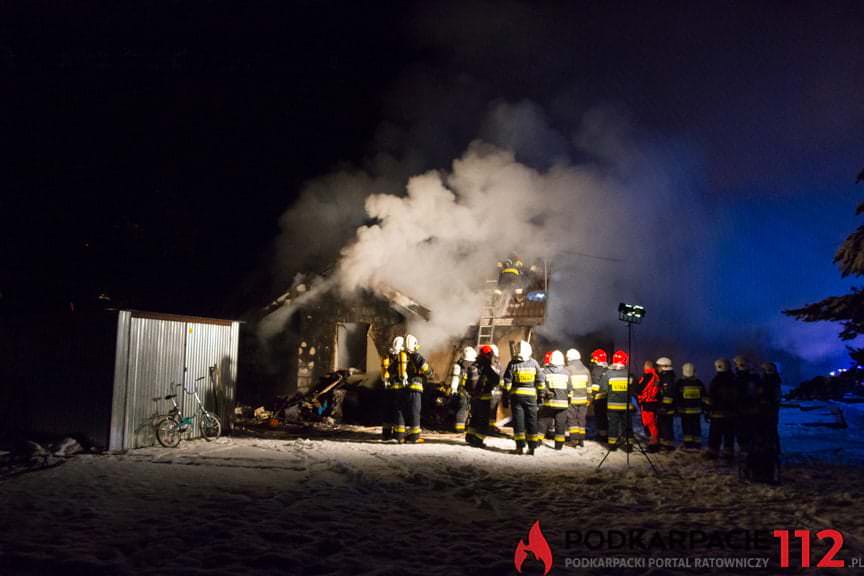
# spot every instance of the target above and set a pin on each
(630, 314)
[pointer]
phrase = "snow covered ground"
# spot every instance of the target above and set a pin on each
(348, 504)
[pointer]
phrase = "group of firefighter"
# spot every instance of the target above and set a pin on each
(552, 399)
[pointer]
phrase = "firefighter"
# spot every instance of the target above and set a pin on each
(459, 374)
(599, 366)
(556, 398)
(691, 392)
(648, 396)
(523, 379)
(393, 426)
(721, 405)
(667, 408)
(417, 369)
(616, 384)
(497, 392)
(549, 429)
(763, 461)
(748, 410)
(484, 377)
(580, 388)
(509, 275)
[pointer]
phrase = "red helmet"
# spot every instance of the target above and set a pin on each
(619, 357)
(547, 358)
(486, 350)
(599, 356)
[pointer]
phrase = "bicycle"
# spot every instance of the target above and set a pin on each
(170, 427)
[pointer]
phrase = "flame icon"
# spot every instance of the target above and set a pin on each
(538, 546)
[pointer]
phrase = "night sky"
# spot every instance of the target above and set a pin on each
(150, 147)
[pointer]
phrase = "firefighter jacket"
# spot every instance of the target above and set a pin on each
(580, 383)
(488, 377)
(597, 372)
(747, 382)
(668, 393)
(558, 390)
(722, 401)
(691, 395)
(768, 394)
(614, 385)
(648, 390)
(524, 378)
(417, 369)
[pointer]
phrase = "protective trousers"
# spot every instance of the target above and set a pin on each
(557, 419)
(692, 428)
(649, 421)
(397, 408)
(462, 405)
(601, 419)
(493, 407)
(478, 422)
(390, 412)
(617, 426)
(722, 433)
(576, 422)
(524, 420)
(667, 431)
(413, 400)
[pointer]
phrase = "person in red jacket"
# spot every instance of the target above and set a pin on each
(648, 396)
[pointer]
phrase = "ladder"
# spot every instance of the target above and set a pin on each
(486, 323)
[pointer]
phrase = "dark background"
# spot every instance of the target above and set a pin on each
(149, 148)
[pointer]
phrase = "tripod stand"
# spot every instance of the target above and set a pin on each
(627, 434)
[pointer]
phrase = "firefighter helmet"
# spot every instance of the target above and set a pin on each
(663, 364)
(524, 352)
(411, 344)
(556, 358)
(599, 356)
(469, 354)
(741, 363)
(486, 351)
(769, 367)
(547, 358)
(494, 350)
(721, 365)
(398, 344)
(688, 370)
(620, 357)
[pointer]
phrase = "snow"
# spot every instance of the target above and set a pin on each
(346, 503)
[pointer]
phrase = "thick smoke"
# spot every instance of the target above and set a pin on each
(604, 223)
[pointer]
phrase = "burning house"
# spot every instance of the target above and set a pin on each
(324, 331)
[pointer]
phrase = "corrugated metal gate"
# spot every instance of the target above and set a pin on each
(156, 351)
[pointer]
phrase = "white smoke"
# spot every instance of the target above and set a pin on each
(604, 222)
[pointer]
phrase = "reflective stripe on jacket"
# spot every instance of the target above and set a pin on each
(580, 383)
(523, 377)
(558, 389)
(691, 394)
(615, 383)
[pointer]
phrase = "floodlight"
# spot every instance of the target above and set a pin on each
(631, 313)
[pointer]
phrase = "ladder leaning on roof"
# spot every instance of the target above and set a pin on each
(486, 324)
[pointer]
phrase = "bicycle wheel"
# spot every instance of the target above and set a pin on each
(210, 426)
(168, 432)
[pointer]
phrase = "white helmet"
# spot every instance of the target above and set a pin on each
(469, 354)
(557, 359)
(411, 344)
(688, 370)
(525, 351)
(741, 363)
(398, 344)
(721, 365)
(663, 364)
(573, 355)
(494, 351)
